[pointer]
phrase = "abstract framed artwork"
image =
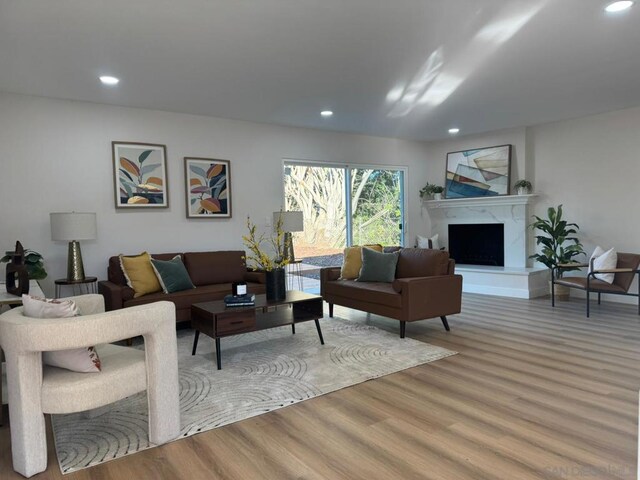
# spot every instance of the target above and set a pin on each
(140, 175)
(208, 187)
(481, 172)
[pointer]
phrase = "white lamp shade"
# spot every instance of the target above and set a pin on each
(291, 221)
(73, 226)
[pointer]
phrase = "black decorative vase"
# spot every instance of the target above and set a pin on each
(276, 288)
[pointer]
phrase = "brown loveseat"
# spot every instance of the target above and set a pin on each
(212, 273)
(425, 287)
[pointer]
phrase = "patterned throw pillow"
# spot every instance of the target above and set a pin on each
(352, 262)
(83, 360)
(172, 274)
(139, 273)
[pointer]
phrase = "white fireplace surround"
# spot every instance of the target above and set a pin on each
(515, 279)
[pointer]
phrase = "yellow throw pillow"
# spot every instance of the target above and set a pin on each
(139, 273)
(353, 261)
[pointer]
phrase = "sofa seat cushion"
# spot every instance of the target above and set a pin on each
(372, 292)
(186, 298)
(65, 392)
(594, 285)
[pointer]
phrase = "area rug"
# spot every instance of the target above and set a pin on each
(261, 372)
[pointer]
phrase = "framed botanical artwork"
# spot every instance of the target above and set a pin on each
(140, 175)
(208, 187)
(481, 172)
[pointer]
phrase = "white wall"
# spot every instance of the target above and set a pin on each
(591, 165)
(56, 156)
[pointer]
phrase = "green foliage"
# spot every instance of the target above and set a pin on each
(523, 184)
(430, 189)
(33, 261)
(559, 245)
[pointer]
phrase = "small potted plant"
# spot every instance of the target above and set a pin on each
(32, 260)
(272, 260)
(523, 187)
(431, 191)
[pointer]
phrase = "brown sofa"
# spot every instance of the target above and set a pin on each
(212, 273)
(425, 287)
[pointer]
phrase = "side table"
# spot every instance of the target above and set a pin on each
(294, 270)
(80, 287)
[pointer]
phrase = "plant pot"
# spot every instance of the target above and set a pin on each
(437, 196)
(561, 292)
(523, 191)
(276, 287)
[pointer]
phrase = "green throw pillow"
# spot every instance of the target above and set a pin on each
(172, 274)
(378, 267)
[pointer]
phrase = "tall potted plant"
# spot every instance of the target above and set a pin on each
(559, 244)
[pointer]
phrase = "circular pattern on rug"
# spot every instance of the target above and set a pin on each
(261, 372)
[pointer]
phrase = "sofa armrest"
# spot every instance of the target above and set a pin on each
(255, 276)
(114, 295)
(328, 274)
(428, 297)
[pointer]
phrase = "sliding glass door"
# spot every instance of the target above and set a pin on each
(344, 205)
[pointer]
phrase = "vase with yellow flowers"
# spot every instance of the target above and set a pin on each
(271, 259)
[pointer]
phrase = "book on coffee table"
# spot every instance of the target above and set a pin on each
(246, 300)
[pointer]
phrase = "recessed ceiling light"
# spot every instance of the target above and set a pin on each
(618, 6)
(454, 130)
(326, 113)
(108, 80)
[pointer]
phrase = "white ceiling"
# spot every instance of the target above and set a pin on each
(399, 68)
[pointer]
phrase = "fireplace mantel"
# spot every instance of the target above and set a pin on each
(515, 279)
(481, 201)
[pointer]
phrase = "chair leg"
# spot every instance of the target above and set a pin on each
(598, 298)
(28, 432)
(587, 303)
(403, 326)
(445, 323)
(553, 291)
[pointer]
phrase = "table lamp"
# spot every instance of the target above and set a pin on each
(72, 227)
(292, 221)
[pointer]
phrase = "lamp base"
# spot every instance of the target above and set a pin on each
(75, 269)
(288, 247)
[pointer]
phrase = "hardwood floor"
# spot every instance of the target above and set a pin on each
(534, 393)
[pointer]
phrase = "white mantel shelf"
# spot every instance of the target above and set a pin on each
(482, 201)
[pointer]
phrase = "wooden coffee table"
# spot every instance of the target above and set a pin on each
(217, 320)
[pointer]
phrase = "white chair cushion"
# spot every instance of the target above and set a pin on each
(123, 374)
(604, 261)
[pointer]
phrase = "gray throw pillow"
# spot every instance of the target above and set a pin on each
(172, 274)
(378, 267)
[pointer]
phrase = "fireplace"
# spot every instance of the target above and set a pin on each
(477, 244)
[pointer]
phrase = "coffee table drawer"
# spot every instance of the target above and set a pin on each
(235, 321)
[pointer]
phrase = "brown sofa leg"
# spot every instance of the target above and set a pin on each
(445, 323)
(402, 328)
(331, 310)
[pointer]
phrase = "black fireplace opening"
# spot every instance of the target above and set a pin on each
(477, 244)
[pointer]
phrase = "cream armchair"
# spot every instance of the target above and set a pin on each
(35, 390)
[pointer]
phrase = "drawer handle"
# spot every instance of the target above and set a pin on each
(236, 322)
